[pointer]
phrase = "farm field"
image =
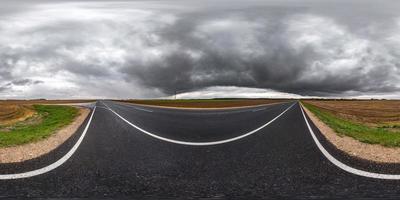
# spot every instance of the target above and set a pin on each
(22, 123)
(12, 113)
(369, 121)
(43, 101)
(206, 103)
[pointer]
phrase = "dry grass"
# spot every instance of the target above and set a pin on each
(206, 103)
(32, 150)
(373, 122)
(12, 113)
(373, 152)
(373, 113)
(46, 120)
(42, 101)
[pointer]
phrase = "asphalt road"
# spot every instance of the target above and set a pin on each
(146, 152)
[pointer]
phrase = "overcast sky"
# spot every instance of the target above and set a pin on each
(147, 49)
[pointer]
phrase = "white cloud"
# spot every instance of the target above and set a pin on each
(234, 92)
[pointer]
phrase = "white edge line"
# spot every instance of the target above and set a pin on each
(342, 165)
(53, 165)
(199, 143)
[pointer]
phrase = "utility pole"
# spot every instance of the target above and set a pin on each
(175, 94)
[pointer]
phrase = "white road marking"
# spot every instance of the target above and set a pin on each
(142, 109)
(102, 107)
(221, 112)
(230, 112)
(134, 107)
(199, 143)
(260, 109)
(217, 113)
(344, 166)
(54, 165)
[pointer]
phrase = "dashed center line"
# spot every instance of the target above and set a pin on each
(260, 109)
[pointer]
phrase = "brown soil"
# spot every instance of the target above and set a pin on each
(355, 148)
(12, 113)
(369, 112)
(40, 101)
(207, 104)
(35, 119)
(36, 149)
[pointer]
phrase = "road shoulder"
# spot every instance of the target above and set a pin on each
(371, 152)
(29, 151)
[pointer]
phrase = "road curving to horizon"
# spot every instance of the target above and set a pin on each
(126, 150)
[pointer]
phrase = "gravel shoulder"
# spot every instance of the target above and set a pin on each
(33, 150)
(372, 152)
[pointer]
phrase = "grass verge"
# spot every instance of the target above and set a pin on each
(356, 130)
(49, 119)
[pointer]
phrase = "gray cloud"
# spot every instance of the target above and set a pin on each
(4, 88)
(274, 64)
(141, 49)
(25, 82)
(21, 82)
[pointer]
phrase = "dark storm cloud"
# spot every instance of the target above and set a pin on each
(4, 88)
(324, 48)
(25, 82)
(276, 66)
(22, 82)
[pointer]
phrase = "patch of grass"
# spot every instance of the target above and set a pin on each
(51, 117)
(358, 131)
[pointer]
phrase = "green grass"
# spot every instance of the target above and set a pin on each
(355, 130)
(52, 118)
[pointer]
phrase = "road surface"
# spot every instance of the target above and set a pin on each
(125, 150)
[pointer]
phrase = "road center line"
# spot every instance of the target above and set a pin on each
(342, 165)
(54, 165)
(142, 109)
(134, 107)
(199, 143)
(260, 109)
(102, 107)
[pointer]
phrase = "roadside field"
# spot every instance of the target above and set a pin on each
(206, 103)
(11, 113)
(375, 121)
(43, 101)
(21, 124)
